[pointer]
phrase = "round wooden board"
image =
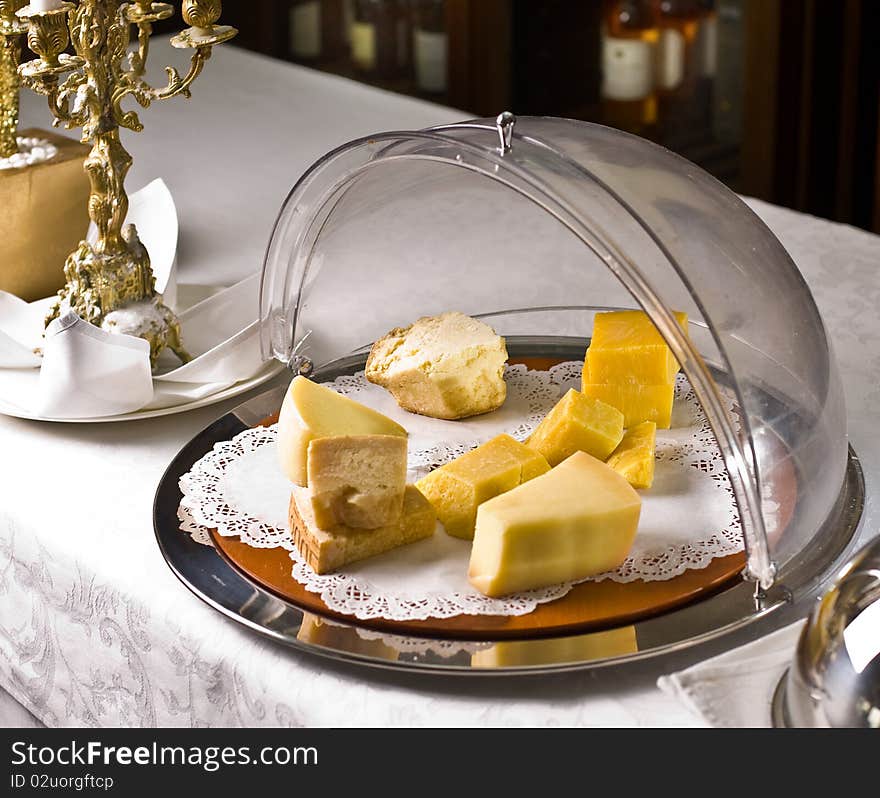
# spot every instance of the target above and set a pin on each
(590, 606)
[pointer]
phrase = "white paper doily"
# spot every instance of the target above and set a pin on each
(689, 516)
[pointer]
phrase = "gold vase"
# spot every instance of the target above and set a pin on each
(44, 216)
(43, 206)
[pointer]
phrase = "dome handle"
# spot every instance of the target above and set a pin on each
(504, 123)
(298, 364)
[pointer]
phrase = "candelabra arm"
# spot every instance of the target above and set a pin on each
(59, 96)
(145, 94)
(143, 13)
(137, 61)
(176, 84)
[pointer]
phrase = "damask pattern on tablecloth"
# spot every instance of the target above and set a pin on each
(76, 652)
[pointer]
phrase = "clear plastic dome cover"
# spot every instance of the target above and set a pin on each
(539, 232)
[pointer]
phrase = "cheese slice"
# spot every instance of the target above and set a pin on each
(576, 648)
(577, 520)
(326, 550)
(577, 423)
(458, 488)
(448, 366)
(627, 347)
(638, 403)
(634, 458)
(357, 480)
(312, 411)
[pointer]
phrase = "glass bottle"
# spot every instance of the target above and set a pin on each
(380, 38)
(347, 18)
(429, 45)
(334, 30)
(677, 73)
(629, 37)
(317, 30)
(678, 22)
(706, 55)
(727, 101)
(305, 29)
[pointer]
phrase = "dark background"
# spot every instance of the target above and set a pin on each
(778, 98)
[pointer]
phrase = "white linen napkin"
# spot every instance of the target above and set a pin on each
(222, 335)
(735, 689)
(88, 372)
(20, 328)
(152, 210)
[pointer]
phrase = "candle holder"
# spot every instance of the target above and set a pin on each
(110, 282)
(47, 36)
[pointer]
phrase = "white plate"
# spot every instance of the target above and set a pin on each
(270, 370)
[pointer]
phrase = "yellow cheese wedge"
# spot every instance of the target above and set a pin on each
(458, 488)
(626, 347)
(576, 648)
(577, 520)
(447, 366)
(312, 411)
(577, 423)
(326, 550)
(357, 480)
(638, 403)
(633, 459)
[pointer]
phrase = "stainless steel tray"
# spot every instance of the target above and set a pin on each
(207, 574)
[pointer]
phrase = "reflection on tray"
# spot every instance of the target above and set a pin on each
(579, 648)
(321, 632)
(372, 643)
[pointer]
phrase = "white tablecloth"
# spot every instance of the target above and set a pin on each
(94, 628)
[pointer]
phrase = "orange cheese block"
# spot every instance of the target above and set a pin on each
(626, 347)
(638, 403)
(634, 458)
(456, 489)
(577, 423)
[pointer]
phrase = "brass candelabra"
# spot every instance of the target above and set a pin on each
(11, 30)
(110, 282)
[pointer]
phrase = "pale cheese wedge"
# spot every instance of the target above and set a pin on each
(313, 411)
(357, 480)
(577, 520)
